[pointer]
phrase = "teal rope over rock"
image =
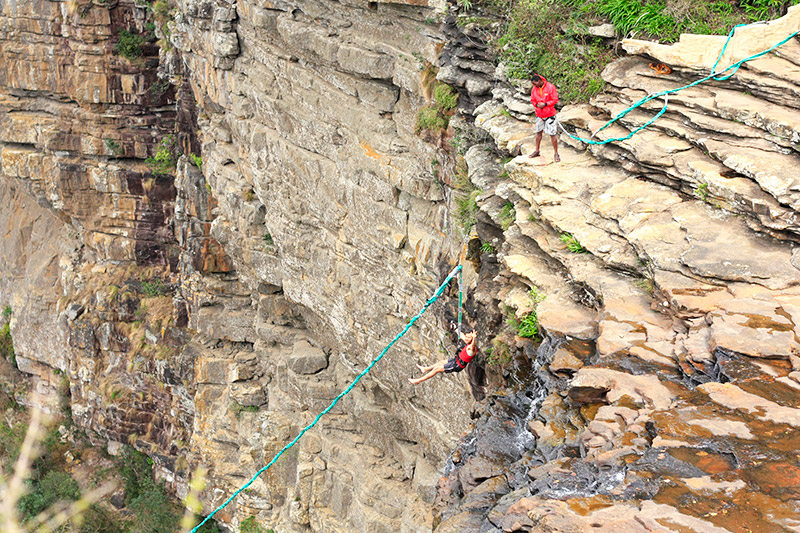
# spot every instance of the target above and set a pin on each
(714, 75)
(432, 299)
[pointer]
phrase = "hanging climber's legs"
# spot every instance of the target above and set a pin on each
(430, 371)
(425, 369)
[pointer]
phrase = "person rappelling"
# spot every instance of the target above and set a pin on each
(457, 363)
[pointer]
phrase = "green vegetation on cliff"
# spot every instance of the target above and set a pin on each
(436, 116)
(129, 45)
(552, 38)
(166, 157)
(7, 344)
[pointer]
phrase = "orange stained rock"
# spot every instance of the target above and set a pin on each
(781, 480)
(710, 463)
(584, 506)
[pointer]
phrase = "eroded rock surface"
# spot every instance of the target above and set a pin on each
(681, 415)
(207, 314)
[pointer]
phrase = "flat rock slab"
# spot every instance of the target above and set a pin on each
(646, 391)
(732, 397)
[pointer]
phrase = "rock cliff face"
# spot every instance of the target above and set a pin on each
(206, 317)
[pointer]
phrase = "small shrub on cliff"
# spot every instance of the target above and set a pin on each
(7, 311)
(446, 97)
(159, 87)
(209, 527)
(7, 344)
(166, 157)
(701, 191)
(428, 119)
(249, 525)
(154, 288)
(136, 470)
(154, 512)
(435, 118)
(196, 160)
(113, 147)
(11, 437)
(645, 284)
(53, 487)
(238, 409)
(498, 353)
(129, 45)
(98, 519)
(527, 326)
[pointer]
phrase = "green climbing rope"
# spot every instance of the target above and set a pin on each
(714, 75)
(436, 295)
(460, 293)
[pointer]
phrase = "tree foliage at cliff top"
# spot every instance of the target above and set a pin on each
(549, 36)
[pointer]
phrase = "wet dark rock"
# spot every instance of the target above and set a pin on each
(577, 478)
(583, 395)
(637, 486)
(660, 461)
(117, 499)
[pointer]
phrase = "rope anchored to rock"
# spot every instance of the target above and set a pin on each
(714, 75)
(436, 295)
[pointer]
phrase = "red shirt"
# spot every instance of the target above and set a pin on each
(463, 357)
(546, 94)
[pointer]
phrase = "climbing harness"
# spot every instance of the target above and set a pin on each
(714, 75)
(436, 295)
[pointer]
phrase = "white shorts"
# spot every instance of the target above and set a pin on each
(549, 125)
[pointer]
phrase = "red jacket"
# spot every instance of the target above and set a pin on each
(464, 357)
(547, 94)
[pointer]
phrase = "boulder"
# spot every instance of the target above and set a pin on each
(307, 359)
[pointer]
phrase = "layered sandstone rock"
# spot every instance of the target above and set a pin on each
(687, 403)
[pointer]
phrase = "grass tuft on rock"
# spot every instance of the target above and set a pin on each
(573, 245)
(507, 215)
(467, 210)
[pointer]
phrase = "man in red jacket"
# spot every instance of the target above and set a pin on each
(544, 98)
